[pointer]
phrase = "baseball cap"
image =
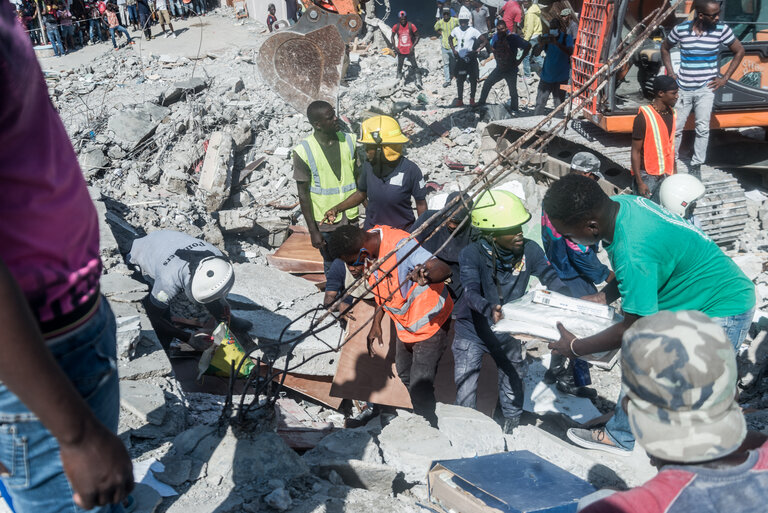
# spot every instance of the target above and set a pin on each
(566, 12)
(679, 373)
(401, 14)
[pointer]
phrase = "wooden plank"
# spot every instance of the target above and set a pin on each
(316, 387)
(361, 377)
(296, 255)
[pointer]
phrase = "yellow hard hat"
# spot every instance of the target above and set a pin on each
(381, 130)
(499, 210)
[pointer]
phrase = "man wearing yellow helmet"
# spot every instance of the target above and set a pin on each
(495, 270)
(388, 180)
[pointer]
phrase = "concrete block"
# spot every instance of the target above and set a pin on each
(147, 499)
(131, 127)
(143, 399)
(237, 220)
(386, 88)
(177, 471)
(107, 243)
(92, 161)
(360, 474)
(279, 499)
(470, 432)
(128, 334)
(216, 175)
(181, 89)
(114, 284)
(156, 364)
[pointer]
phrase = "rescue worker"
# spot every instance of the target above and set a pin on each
(388, 179)
(580, 269)
(495, 270)
(325, 169)
(410, 288)
(653, 139)
(468, 40)
(661, 263)
(175, 263)
(679, 194)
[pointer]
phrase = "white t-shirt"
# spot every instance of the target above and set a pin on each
(465, 40)
(161, 5)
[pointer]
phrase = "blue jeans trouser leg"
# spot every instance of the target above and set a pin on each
(54, 36)
(95, 28)
(618, 427)
(448, 63)
(736, 326)
(36, 479)
(133, 16)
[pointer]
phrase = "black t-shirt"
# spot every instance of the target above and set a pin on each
(389, 198)
(638, 127)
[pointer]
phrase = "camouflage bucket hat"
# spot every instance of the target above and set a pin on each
(679, 372)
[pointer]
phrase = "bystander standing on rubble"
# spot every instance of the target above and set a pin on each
(405, 37)
(505, 46)
(481, 18)
(686, 417)
(556, 69)
(512, 14)
(388, 180)
(409, 286)
(325, 167)
(59, 401)
(144, 18)
(653, 139)
(444, 26)
(28, 10)
(570, 22)
(164, 17)
(67, 27)
(51, 24)
(96, 33)
(580, 269)
(495, 269)
(271, 18)
(661, 263)
(532, 30)
(132, 14)
(114, 25)
(698, 76)
(467, 41)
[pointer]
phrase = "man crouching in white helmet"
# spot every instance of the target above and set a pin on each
(174, 262)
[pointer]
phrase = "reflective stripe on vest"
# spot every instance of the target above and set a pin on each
(658, 148)
(422, 321)
(315, 187)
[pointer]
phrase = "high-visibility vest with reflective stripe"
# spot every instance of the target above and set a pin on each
(659, 143)
(325, 190)
(423, 310)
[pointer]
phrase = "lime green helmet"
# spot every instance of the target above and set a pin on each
(498, 210)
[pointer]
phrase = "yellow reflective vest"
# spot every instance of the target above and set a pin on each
(325, 190)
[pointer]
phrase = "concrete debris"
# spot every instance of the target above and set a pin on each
(130, 128)
(237, 221)
(147, 499)
(143, 400)
(176, 471)
(181, 89)
(92, 161)
(152, 365)
(279, 499)
(128, 334)
(470, 432)
(216, 176)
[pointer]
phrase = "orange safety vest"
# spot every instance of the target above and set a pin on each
(423, 310)
(658, 147)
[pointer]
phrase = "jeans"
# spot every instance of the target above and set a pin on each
(497, 75)
(654, 185)
(449, 62)
(68, 34)
(133, 15)
(699, 101)
(119, 28)
(467, 71)
(199, 6)
(95, 27)
(507, 352)
(735, 326)
(36, 479)
(54, 36)
(416, 366)
(144, 23)
(538, 61)
(542, 96)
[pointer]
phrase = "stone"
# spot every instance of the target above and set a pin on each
(107, 241)
(92, 161)
(181, 89)
(129, 128)
(147, 499)
(279, 499)
(216, 175)
(114, 284)
(361, 474)
(386, 88)
(237, 220)
(750, 264)
(143, 399)
(470, 432)
(409, 444)
(128, 334)
(156, 364)
(176, 471)
(174, 180)
(358, 444)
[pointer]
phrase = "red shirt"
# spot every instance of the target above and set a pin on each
(404, 37)
(512, 14)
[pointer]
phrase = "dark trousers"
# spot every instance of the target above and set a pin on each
(497, 75)
(542, 96)
(401, 59)
(417, 366)
(145, 22)
(133, 16)
(467, 71)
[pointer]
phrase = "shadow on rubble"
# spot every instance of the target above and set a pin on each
(427, 133)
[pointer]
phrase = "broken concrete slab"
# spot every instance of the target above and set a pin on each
(92, 161)
(131, 127)
(374, 477)
(114, 284)
(279, 499)
(143, 399)
(387, 88)
(155, 364)
(147, 499)
(269, 288)
(357, 443)
(470, 432)
(237, 220)
(409, 444)
(216, 175)
(181, 89)
(128, 334)
(176, 472)
(174, 422)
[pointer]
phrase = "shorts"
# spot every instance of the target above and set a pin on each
(164, 17)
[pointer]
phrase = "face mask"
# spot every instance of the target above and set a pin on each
(392, 152)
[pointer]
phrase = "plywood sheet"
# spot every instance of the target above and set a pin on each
(296, 255)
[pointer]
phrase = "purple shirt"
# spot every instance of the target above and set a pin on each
(48, 224)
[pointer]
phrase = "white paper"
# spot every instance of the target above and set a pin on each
(142, 474)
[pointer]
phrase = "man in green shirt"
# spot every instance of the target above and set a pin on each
(532, 29)
(661, 263)
(444, 26)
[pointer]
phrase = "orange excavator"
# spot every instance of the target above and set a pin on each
(305, 62)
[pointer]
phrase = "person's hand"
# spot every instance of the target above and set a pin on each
(598, 298)
(373, 334)
(497, 314)
(330, 216)
(200, 340)
(717, 83)
(97, 466)
(643, 189)
(562, 346)
(317, 240)
(420, 275)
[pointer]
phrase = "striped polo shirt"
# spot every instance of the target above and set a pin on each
(698, 53)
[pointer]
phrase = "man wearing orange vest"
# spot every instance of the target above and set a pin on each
(409, 286)
(653, 139)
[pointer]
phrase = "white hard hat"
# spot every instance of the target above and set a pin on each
(678, 191)
(464, 15)
(213, 279)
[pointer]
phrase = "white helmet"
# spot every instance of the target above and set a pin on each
(212, 280)
(678, 191)
(464, 15)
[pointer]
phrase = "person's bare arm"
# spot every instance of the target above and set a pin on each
(433, 270)
(606, 340)
(667, 59)
(305, 201)
(637, 165)
(94, 459)
(421, 206)
(353, 200)
(738, 54)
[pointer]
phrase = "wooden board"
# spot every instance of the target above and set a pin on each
(297, 428)
(361, 377)
(296, 255)
(316, 387)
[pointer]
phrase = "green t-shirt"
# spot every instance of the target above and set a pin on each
(445, 28)
(663, 262)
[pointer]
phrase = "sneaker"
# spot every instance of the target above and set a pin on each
(566, 385)
(131, 42)
(457, 103)
(596, 439)
(481, 103)
(173, 35)
(695, 170)
(167, 35)
(116, 48)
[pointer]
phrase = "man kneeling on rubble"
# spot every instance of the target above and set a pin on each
(661, 263)
(684, 413)
(174, 262)
(409, 287)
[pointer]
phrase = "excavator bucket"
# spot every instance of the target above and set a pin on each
(305, 62)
